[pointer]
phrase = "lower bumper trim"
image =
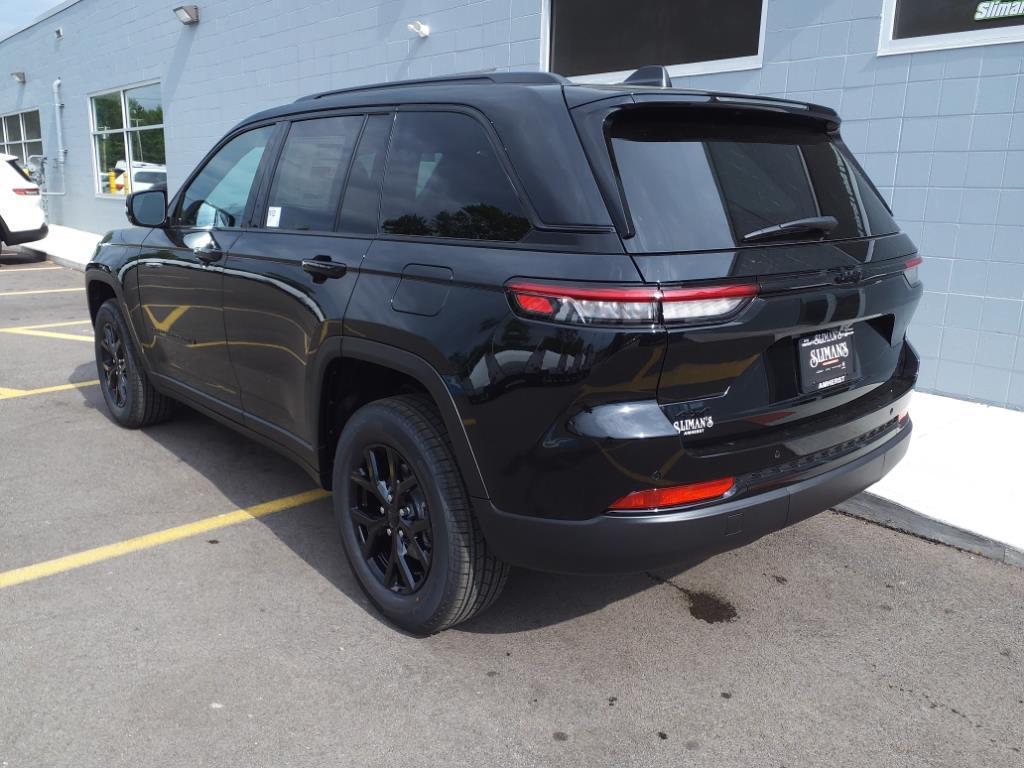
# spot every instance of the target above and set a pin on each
(625, 544)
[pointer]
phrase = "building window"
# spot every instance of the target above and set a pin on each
(128, 140)
(932, 25)
(20, 136)
(605, 40)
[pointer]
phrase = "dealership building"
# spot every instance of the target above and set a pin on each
(102, 97)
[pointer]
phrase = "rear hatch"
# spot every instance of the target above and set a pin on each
(769, 199)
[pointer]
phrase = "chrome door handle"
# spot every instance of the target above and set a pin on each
(208, 254)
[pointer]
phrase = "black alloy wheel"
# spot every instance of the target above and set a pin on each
(114, 362)
(391, 519)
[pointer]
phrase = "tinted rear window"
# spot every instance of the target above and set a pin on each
(700, 182)
(19, 170)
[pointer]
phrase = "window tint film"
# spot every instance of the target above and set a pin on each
(701, 182)
(444, 180)
(310, 174)
(218, 195)
(362, 195)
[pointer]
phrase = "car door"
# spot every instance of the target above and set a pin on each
(181, 273)
(288, 280)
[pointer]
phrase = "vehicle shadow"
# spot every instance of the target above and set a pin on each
(246, 473)
(16, 257)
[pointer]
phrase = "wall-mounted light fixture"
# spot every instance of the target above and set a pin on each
(187, 14)
(421, 29)
(18, 77)
(59, 33)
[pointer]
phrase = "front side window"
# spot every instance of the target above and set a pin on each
(218, 195)
(128, 140)
(605, 40)
(444, 179)
(704, 182)
(310, 174)
(21, 136)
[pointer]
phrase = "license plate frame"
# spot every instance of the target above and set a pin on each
(827, 359)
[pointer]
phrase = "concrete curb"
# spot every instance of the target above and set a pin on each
(889, 514)
(61, 260)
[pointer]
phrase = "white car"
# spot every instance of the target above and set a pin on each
(21, 212)
(144, 176)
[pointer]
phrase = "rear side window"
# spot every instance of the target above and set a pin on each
(311, 172)
(444, 180)
(701, 182)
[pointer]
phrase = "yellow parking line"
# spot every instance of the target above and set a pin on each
(38, 330)
(49, 334)
(10, 394)
(48, 290)
(99, 554)
(46, 325)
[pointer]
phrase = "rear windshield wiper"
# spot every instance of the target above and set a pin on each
(822, 224)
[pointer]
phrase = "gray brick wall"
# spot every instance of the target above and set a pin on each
(942, 133)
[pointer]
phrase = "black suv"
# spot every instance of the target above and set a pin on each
(513, 320)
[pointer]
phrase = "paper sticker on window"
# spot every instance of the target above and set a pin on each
(273, 216)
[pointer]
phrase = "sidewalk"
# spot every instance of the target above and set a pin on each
(961, 471)
(66, 246)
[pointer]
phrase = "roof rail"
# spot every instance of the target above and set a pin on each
(474, 78)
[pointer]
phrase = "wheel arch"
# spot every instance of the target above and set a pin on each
(378, 371)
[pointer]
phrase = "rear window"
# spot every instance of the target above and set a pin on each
(19, 170)
(700, 182)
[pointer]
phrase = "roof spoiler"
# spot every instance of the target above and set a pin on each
(653, 75)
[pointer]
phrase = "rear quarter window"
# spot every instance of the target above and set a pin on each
(444, 179)
(697, 181)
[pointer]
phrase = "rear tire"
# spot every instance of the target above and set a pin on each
(405, 518)
(127, 391)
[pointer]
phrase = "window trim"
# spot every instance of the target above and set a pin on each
(20, 114)
(888, 46)
(713, 66)
(124, 130)
(256, 192)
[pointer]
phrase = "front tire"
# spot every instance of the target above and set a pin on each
(127, 391)
(405, 518)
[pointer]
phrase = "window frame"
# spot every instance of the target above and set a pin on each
(503, 162)
(124, 130)
(20, 114)
(259, 188)
(258, 218)
(713, 66)
(889, 46)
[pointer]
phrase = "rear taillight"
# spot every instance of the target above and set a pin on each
(673, 496)
(910, 269)
(627, 305)
(26, 191)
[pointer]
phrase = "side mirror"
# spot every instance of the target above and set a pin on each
(147, 208)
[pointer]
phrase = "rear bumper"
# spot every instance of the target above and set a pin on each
(622, 544)
(17, 237)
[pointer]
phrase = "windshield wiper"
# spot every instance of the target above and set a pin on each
(822, 224)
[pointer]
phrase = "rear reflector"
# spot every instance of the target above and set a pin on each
(627, 305)
(674, 496)
(910, 269)
(26, 190)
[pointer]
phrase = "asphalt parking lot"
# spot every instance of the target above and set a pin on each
(138, 628)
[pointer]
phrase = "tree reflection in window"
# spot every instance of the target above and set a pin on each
(444, 180)
(474, 222)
